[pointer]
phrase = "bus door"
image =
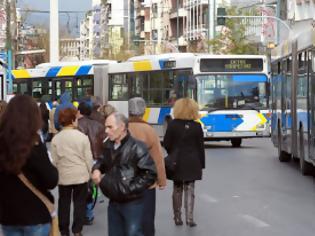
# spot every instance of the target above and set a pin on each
(62, 85)
(311, 78)
(285, 99)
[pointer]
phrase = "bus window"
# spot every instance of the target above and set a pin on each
(68, 87)
(137, 81)
(84, 85)
(37, 89)
(118, 87)
(155, 88)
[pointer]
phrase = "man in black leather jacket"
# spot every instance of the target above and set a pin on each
(129, 171)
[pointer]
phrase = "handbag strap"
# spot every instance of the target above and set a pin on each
(50, 206)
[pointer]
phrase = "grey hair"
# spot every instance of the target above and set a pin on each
(121, 118)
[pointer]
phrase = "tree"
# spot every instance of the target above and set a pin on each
(232, 38)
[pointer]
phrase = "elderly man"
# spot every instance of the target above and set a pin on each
(129, 172)
(143, 131)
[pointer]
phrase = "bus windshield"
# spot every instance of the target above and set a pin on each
(248, 91)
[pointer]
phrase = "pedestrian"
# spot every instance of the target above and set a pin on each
(71, 153)
(129, 171)
(65, 102)
(184, 139)
(45, 118)
(144, 132)
(96, 134)
(52, 130)
(3, 105)
(106, 110)
(95, 113)
(22, 152)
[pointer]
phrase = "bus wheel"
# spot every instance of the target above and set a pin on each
(282, 155)
(305, 167)
(236, 142)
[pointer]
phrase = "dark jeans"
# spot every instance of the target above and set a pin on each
(149, 212)
(124, 219)
(31, 230)
(78, 193)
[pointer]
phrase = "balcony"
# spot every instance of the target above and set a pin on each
(182, 12)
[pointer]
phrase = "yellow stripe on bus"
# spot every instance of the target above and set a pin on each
(68, 71)
(263, 120)
(146, 114)
(142, 66)
(21, 74)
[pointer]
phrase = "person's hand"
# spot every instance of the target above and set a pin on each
(162, 187)
(96, 176)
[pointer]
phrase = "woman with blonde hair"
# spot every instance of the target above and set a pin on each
(184, 141)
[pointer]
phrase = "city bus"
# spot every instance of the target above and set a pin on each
(48, 81)
(231, 90)
(293, 100)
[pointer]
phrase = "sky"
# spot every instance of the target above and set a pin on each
(69, 22)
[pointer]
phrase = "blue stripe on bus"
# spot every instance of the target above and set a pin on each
(222, 122)
(84, 70)
(163, 112)
(249, 78)
(53, 71)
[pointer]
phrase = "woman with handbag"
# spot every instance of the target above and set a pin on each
(184, 143)
(22, 152)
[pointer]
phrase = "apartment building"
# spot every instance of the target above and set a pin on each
(70, 49)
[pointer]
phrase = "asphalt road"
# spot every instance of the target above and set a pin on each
(244, 192)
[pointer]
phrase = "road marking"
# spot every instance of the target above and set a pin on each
(208, 198)
(255, 221)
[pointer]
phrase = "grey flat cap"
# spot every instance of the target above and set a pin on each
(136, 106)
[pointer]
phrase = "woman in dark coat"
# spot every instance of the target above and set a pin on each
(184, 139)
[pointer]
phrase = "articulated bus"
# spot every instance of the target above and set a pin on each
(48, 81)
(232, 91)
(293, 100)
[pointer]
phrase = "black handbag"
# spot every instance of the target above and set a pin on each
(171, 159)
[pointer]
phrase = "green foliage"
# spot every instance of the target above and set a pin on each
(232, 39)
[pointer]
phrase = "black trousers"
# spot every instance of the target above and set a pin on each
(78, 194)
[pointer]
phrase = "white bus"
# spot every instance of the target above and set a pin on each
(48, 81)
(293, 100)
(232, 90)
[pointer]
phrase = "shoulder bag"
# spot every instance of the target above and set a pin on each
(54, 230)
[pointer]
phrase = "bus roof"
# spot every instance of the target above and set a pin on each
(74, 63)
(155, 63)
(60, 69)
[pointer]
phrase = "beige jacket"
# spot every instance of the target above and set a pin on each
(71, 154)
(145, 133)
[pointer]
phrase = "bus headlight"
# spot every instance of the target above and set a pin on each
(209, 127)
(260, 126)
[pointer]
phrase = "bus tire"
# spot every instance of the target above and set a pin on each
(282, 155)
(305, 168)
(236, 142)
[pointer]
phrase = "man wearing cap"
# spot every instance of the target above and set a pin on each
(142, 131)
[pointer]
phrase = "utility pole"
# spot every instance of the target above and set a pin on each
(8, 45)
(177, 23)
(211, 21)
(54, 31)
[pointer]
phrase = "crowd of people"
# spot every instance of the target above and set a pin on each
(93, 146)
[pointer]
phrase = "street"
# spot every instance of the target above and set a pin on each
(245, 191)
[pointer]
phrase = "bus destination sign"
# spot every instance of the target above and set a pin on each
(231, 65)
